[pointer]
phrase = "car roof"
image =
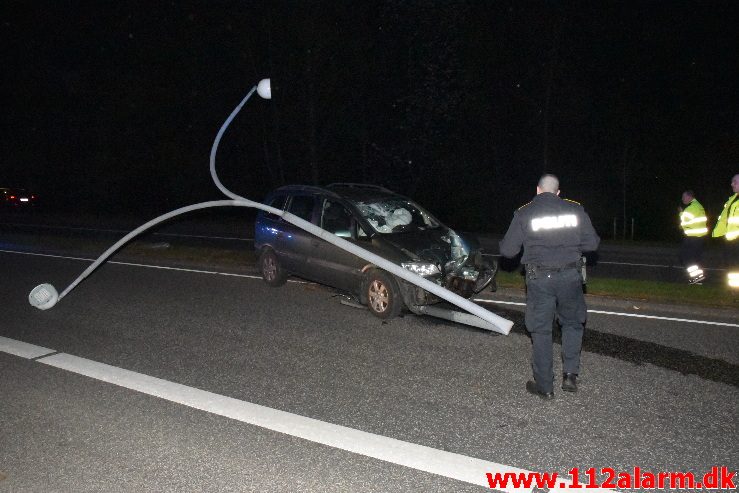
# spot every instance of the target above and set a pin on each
(301, 188)
(350, 191)
(362, 193)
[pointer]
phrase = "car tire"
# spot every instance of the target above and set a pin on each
(272, 271)
(383, 295)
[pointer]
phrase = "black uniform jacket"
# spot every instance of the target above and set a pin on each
(553, 232)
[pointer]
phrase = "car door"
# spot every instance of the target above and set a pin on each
(294, 243)
(268, 226)
(328, 263)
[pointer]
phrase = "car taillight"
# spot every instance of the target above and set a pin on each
(12, 197)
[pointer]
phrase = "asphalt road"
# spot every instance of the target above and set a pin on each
(440, 398)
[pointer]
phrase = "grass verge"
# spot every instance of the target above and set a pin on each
(658, 292)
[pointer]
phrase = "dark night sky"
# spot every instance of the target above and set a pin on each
(113, 106)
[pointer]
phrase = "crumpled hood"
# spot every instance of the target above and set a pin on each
(436, 245)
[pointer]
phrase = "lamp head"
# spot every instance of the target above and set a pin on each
(43, 296)
(264, 89)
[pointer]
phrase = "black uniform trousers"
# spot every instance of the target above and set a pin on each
(691, 251)
(730, 251)
(553, 293)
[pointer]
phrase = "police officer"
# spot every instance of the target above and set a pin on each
(693, 222)
(727, 226)
(553, 232)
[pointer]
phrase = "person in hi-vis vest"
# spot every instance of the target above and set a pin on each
(727, 226)
(694, 224)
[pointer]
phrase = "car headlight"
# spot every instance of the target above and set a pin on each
(421, 268)
(468, 274)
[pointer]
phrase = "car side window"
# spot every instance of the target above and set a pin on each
(336, 219)
(278, 202)
(302, 206)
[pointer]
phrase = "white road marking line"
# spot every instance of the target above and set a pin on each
(620, 314)
(23, 349)
(483, 300)
(659, 266)
(46, 255)
(448, 464)
(150, 266)
(655, 265)
(671, 319)
(124, 231)
(641, 265)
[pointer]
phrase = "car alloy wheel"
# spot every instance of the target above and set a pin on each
(383, 295)
(272, 272)
(378, 296)
(270, 269)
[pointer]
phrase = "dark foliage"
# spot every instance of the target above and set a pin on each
(462, 104)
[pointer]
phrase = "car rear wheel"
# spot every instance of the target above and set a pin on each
(272, 271)
(383, 295)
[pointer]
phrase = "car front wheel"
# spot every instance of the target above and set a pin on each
(383, 295)
(272, 271)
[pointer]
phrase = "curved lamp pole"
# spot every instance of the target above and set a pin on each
(44, 296)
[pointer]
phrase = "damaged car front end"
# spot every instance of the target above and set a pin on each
(432, 250)
(382, 222)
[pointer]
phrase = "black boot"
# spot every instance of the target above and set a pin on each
(531, 388)
(569, 382)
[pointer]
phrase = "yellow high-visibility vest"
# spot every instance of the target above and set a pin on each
(693, 219)
(727, 224)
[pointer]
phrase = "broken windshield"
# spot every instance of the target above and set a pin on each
(395, 215)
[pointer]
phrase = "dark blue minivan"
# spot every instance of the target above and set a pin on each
(378, 220)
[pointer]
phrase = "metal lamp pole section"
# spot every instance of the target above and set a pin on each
(44, 296)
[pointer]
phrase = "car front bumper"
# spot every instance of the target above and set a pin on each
(465, 280)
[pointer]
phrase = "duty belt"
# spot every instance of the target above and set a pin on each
(552, 268)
